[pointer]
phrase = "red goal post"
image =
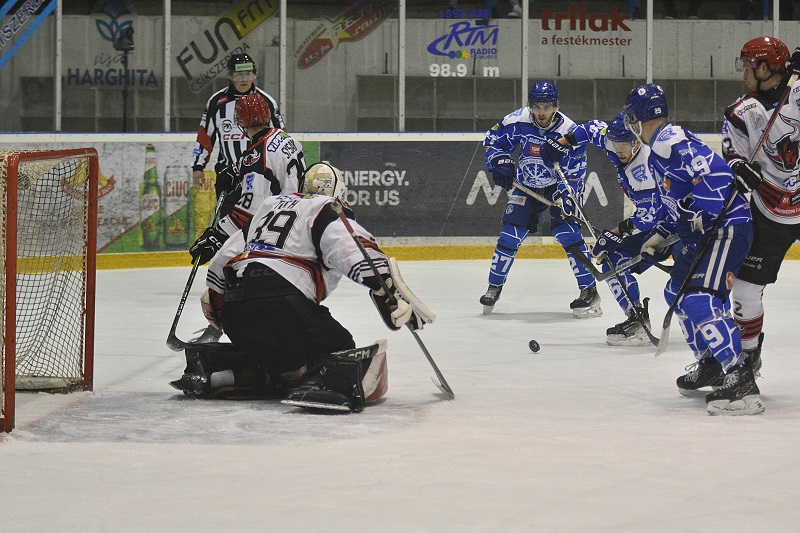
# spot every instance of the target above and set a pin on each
(48, 239)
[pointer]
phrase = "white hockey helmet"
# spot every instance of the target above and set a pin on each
(323, 178)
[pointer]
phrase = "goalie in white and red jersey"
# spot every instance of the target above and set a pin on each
(265, 289)
(772, 177)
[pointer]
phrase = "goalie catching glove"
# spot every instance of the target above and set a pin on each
(399, 306)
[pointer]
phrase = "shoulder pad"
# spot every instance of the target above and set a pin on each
(666, 139)
(522, 114)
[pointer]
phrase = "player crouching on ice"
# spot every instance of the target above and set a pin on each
(266, 285)
(619, 244)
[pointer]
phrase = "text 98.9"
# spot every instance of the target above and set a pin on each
(447, 70)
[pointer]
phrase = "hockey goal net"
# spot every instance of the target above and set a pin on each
(48, 236)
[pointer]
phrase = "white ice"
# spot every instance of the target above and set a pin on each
(578, 437)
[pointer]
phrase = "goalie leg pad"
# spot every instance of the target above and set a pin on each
(348, 381)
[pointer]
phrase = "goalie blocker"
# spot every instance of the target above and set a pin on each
(400, 306)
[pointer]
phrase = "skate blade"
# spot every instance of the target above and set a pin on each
(587, 313)
(487, 309)
(627, 342)
(317, 405)
(696, 393)
(749, 405)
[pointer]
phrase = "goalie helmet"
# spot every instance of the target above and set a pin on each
(768, 49)
(323, 178)
(240, 63)
(543, 91)
(251, 111)
(645, 103)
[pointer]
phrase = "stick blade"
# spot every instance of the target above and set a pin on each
(445, 388)
(663, 341)
(175, 344)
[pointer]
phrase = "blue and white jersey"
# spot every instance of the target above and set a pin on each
(638, 182)
(519, 130)
(691, 173)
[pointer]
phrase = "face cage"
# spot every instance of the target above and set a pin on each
(633, 127)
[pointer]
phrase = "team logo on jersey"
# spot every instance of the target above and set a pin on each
(639, 173)
(250, 159)
(535, 150)
(784, 153)
(226, 126)
(666, 134)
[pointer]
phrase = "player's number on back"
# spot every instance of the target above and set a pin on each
(700, 165)
(274, 227)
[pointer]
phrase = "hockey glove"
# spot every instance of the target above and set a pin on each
(553, 152)
(394, 311)
(565, 199)
(748, 175)
(653, 249)
(503, 171)
(226, 178)
(794, 62)
(607, 243)
(208, 244)
(692, 221)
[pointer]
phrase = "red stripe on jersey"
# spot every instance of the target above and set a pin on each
(780, 203)
(204, 140)
(240, 217)
(313, 268)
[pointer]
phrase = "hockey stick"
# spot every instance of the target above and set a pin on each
(582, 259)
(442, 383)
(636, 312)
(662, 345)
(173, 342)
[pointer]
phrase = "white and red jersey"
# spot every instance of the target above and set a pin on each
(303, 239)
(272, 165)
(778, 196)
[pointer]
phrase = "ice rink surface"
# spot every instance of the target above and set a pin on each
(578, 437)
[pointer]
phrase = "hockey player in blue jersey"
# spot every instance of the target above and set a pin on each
(697, 186)
(619, 244)
(526, 130)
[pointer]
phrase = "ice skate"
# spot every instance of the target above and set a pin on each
(631, 332)
(313, 395)
(738, 396)
(210, 334)
(752, 357)
(490, 298)
(192, 384)
(587, 305)
(700, 374)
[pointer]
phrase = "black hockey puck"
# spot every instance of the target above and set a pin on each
(534, 346)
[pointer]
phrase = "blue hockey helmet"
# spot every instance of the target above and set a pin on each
(617, 132)
(644, 103)
(543, 91)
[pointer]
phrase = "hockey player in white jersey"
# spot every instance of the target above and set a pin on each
(772, 177)
(272, 164)
(527, 129)
(621, 243)
(265, 289)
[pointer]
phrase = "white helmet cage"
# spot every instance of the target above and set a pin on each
(323, 178)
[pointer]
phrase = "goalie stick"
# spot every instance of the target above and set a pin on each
(662, 345)
(173, 342)
(636, 311)
(442, 383)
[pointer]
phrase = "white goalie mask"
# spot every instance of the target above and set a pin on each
(324, 178)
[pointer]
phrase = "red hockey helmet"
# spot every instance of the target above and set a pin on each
(251, 111)
(768, 49)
